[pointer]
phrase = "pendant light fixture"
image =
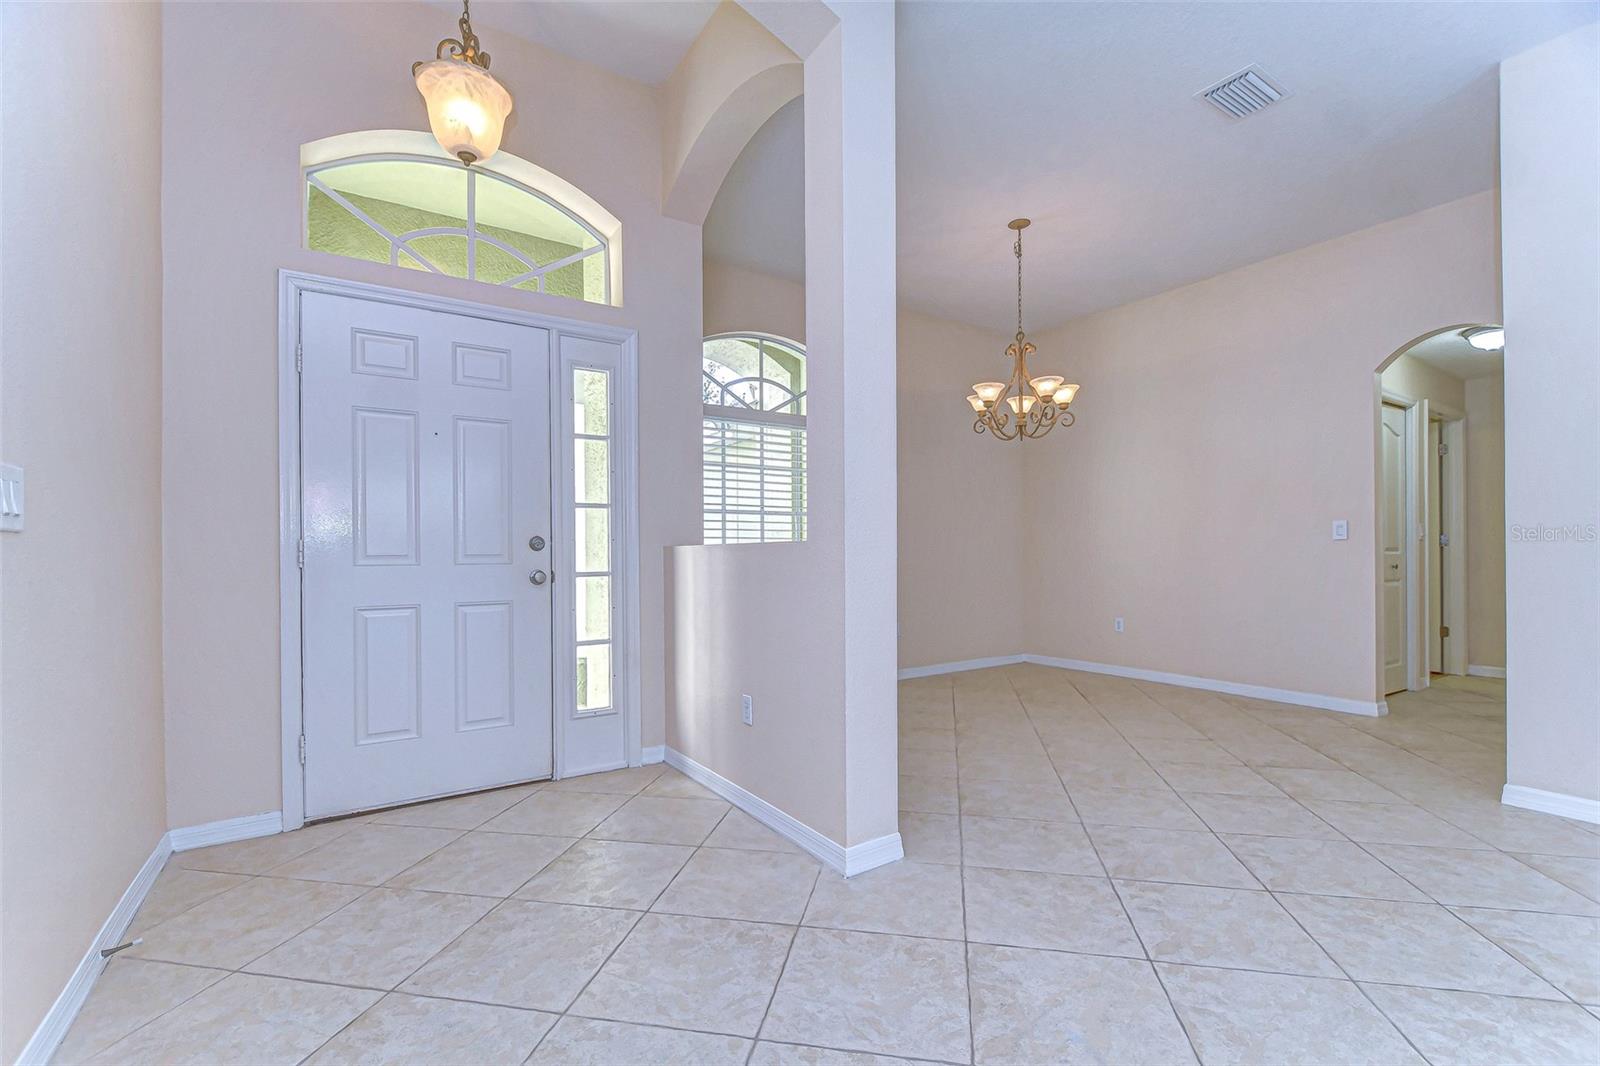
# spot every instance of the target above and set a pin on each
(1022, 406)
(467, 107)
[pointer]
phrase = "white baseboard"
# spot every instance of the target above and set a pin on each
(654, 754)
(849, 861)
(59, 1018)
(227, 831)
(958, 667)
(1537, 799)
(871, 854)
(1486, 671)
(1369, 708)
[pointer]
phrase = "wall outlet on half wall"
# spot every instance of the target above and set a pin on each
(748, 710)
(1117, 625)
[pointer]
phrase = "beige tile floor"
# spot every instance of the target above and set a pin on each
(1097, 870)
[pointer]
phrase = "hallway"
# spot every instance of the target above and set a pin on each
(1096, 870)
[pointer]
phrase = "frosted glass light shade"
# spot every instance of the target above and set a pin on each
(977, 404)
(989, 391)
(467, 107)
(1021, 404)
(1046, 386)
(1065, 393)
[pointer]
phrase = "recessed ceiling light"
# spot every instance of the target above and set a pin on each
(1486, 338)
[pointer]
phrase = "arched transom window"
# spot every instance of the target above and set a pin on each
(754, 435)
(466, 222)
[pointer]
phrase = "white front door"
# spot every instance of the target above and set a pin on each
(1392, 541)
(425, 459)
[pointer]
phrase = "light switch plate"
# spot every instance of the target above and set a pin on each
(1341, 529)
(10, 499)
(748, 710)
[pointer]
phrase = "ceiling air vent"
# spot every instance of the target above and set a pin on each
(1243, 94)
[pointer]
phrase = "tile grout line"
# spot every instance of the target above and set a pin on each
(794, 935)
(472, 925)
(1128, 917)
(453, 940)
(1328, 954)
(638, 918)
(961, 873)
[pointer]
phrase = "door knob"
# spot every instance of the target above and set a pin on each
(537, 577)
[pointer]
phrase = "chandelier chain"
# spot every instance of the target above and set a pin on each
(1019, 282)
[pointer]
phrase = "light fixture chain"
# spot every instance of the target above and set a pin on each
(1019, 282)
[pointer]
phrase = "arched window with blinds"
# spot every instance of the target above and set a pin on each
(754, 439)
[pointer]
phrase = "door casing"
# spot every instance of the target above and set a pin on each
(291, 285)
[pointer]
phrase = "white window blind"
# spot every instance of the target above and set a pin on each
(755, 481)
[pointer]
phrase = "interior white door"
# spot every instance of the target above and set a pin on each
(1392, 540)
(425, 466)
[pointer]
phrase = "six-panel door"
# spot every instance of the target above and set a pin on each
(425, 459)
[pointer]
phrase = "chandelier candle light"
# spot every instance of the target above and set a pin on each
(1023, 406)
(467, 107)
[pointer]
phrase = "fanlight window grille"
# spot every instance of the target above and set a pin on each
(754, 439)
(465, 222)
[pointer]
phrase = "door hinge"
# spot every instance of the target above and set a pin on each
(300, 553)
(1444, 540)
(302, 749)
(1444, 449)
(299, 357)
(1444, 631)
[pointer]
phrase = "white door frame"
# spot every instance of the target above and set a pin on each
(291, 286)
(1453, 523)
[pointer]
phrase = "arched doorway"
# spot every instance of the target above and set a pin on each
(1438, 524)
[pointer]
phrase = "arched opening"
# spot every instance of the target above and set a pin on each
(1439, 530)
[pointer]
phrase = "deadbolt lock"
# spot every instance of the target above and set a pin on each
(536, 543)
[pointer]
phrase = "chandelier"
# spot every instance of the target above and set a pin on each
(467, 107)
(1023, 406)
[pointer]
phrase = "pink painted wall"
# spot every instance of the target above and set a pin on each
(1222, 427)
(82, 785)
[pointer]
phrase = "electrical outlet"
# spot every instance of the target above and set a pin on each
(1117, 625)
(1341, 529)
(749, 711)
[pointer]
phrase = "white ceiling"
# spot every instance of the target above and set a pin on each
(639, 39)
(1081, 116)
(1451, 353)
